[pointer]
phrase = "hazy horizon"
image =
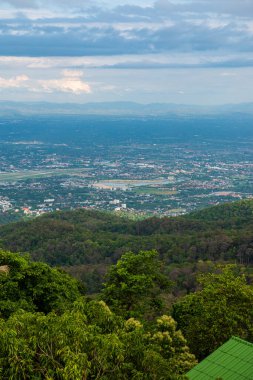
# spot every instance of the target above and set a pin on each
(129, 102)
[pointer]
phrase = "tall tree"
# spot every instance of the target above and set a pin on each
(135, 284)
(34, 286)
(221, 309)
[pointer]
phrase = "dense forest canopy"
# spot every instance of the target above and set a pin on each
(76, 337)
(34, 286)
(136, 326)
(87, 242)
(49, 330)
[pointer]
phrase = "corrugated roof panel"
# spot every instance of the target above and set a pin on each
(201, 375)
(222, 360)
(240, 353)
(231, 376)
(232, 361)
(247, 369)
(229, 345)
(215, 370)
(204, 365)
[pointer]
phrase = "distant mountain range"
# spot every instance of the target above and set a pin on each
(119, 108)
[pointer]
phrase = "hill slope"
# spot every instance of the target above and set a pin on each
(88, 241)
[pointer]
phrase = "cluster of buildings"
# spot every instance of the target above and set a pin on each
(165, 178)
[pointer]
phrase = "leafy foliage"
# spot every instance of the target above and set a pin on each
(134, 285)
(48, 330)
(34, 286)
(221, 309)
(90, 342)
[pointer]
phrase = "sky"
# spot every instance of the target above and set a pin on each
(173, 51)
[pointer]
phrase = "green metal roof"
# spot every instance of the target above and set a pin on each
(232, 361)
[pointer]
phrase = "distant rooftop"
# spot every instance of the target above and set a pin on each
(232, 361)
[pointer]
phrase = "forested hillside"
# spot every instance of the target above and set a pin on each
(87, 242)
(8, 217)
(140, 324)
(50, 330)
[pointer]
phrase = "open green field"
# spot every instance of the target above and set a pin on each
(29, 174)
(155, 191)
(131, 183)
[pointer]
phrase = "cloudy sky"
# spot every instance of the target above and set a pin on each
(176, 51)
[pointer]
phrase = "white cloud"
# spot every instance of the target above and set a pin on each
(72, 73)
(228, 74)
(71, 82)
(13, 82)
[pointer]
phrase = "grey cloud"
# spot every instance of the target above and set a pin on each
(22, 3)
(48, 4)
(40, 39)
(242, 7)
(152, 65)
(234, 7)
(130, 30)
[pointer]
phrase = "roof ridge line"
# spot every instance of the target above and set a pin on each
(241, 340)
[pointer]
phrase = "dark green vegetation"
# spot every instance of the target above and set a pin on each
(75, 337)
(49, 331)
(130, 329)
(87, 242)
(34, 286)
(8, 217)
(144, 282)
(90, 342)
(222, 308)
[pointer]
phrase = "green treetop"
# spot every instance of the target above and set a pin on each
(90, 342)
(33, 286)
(135, 284)
(221, 309)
